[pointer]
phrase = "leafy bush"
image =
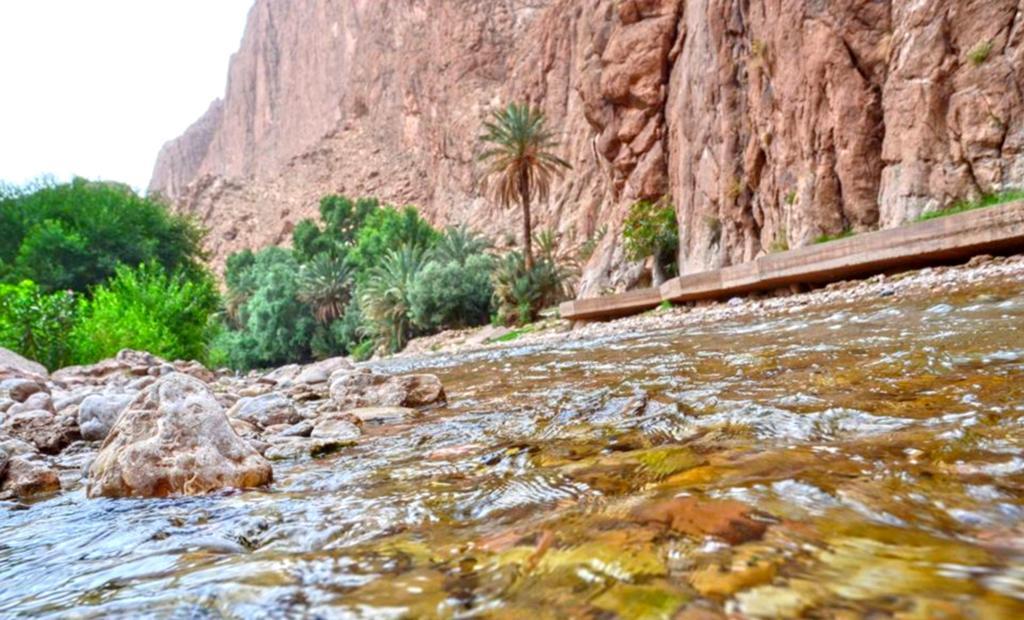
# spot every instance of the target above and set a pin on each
(384, 230)
(342, 219)
(149, 310)
(651, 229)
(273, 326)
(325, 284)
(36, 325)
(75, 235)
(449, 295)
(520, 293)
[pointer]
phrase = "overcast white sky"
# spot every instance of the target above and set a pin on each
(95, 87)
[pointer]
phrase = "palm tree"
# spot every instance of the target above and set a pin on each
(520, 161)
(324, 285)
(385, 296)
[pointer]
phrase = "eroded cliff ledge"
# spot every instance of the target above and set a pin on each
(769, 122)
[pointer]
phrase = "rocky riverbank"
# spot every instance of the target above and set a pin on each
(982, 270)
(140, 426)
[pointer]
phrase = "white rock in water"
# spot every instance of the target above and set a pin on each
(174, 439)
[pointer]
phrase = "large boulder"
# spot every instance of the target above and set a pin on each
(266, 410)
(98, 412)
(174, 439)
(20, 364)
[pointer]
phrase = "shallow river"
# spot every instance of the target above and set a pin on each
(882, 445)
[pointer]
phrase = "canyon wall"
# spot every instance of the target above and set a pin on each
(767, 122)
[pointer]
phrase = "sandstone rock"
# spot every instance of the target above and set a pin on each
(728, 520)
(301, 429)
(27, 478)
(4, 460)
(266, 410)
(40, 428)
(413, 391)
(20, 389)
(174, 439)
(97, 414)
(12, 360)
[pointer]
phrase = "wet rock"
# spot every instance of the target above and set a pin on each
(16, 447)
(248, 430)
(363, 388)
(20, 389)
(337, 428)
(266, 410)
(27, 478)
(321, 371)
(382, 415)
(12, 360)
(97, 414)
(413, 391)
(728, 520)
(174, 439)
(41, 428)
(5, 404)
(301, 429)
(4, 460)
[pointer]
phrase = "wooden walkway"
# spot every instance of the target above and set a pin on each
(992, 230)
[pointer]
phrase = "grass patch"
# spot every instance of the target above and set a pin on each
(514, 334)
(836, 237)
(991, 200)
(980, 53)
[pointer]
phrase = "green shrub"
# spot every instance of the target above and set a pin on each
(325, 284)
(35, 324)
(980, 53)
(651, 229)
(149, 310)
(341, 220)
(75, 235)
(521, 294)
(846, 234)
(449, 295)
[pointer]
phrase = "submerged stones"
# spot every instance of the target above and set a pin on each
(174, 439)
(731, 521)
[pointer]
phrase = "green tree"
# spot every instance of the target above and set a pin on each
(520, 162)
(384, 298)
(325, 284)
(651, 230)
(75, 235)
(384, 230)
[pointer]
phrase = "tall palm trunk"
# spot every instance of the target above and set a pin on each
(524, 198)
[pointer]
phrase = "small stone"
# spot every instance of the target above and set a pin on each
(39, 400)
(20, 389)
(336, 428)
(40, 428)
(382, 415)
(321, 371)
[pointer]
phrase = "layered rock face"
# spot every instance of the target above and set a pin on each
(767, 122)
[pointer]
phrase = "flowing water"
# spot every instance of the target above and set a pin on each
(881, 442)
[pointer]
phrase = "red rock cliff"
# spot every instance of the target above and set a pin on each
(768, 122)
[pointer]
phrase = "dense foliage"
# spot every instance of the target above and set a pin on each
(368, 277)
(36, 324)
(651, 230)
(148, 310)
(74, 235)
